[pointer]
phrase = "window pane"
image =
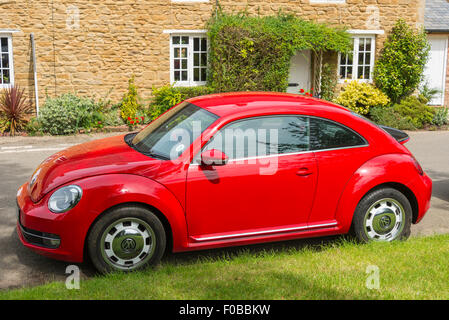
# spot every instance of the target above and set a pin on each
(196, 59)
(368, 44)
(177, 75)
(176, 40)
(196, 74)
(262, 136)
(176, 52)
(4, 44)
(343, 58)
(360, 72)
(184, 52)
(5, 61)
(6, 78)
(184, 75)
(203, 74)
(367, 72)
(196, 44)
(184, 64)
(185, 40)
(361, 58)
(204, 44)
(1, 77)
(349, 74)
(158, 137)
(204, 59)
(329, 135)
(361, 44)
(177, 64)
(368, 58)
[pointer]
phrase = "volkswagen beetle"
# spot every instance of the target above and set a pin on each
(223, 170)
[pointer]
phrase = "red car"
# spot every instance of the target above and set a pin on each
(223, 170)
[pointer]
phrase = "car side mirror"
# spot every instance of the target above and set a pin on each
(213, 157)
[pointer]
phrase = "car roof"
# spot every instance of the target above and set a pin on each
(223, 104)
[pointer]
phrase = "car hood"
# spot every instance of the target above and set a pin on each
(103, 156)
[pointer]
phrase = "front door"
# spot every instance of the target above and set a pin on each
(435, 71)
(300, 67)
(253, 194)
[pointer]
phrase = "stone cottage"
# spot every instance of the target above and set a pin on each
(94, 47)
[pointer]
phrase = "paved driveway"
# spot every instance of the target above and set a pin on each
(20, 156)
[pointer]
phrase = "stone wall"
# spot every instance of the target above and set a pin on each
(93, 47)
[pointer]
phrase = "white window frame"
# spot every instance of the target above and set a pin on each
(191, 34)
(355, 58)
(11, 60)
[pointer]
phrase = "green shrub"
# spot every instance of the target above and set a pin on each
(441, 116)
(387, 116)
(130, 101)
(361, 96)
(415, 110)
(33, 127)
(168, 96)
(112, 115)
(428, 92)
(68, 113)
(253, 53)
(399, 69)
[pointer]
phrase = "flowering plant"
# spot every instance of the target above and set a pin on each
(134, 122)
(308, 93)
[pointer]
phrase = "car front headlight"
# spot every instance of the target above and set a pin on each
(65, 198)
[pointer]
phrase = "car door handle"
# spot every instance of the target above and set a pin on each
(304, 172)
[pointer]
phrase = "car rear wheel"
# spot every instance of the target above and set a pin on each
(382, 215)
(126, 239)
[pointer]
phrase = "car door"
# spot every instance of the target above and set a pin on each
(339, 152)
(268, 183)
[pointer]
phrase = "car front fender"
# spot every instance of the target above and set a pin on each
(103, 192)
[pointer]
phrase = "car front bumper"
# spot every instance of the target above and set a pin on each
(53, 235)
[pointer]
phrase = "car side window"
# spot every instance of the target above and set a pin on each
(262, 136)
(325, 134)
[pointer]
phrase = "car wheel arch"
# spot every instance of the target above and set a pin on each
(363, 182)
(164, 220)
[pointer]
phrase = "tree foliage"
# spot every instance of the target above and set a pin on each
(399, 70)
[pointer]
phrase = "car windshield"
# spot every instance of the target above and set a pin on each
(170, 134)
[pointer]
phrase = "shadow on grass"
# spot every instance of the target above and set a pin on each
(192, 257)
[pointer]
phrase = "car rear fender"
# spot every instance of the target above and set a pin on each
(390, 169)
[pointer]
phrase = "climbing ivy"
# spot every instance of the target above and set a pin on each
(253, 53)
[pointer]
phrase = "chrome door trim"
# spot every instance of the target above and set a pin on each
(257, 233)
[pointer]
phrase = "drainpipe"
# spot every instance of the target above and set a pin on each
(36, 95)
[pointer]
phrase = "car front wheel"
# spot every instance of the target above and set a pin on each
(126, 239)
(382, 215)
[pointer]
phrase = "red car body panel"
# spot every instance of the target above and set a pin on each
(223, 205)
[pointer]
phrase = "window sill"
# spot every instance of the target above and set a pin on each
(358, 80)
(188, 84)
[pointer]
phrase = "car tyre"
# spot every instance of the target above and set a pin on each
(126, 239)
(382, 215)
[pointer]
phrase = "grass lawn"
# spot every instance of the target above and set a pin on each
(415, 269)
